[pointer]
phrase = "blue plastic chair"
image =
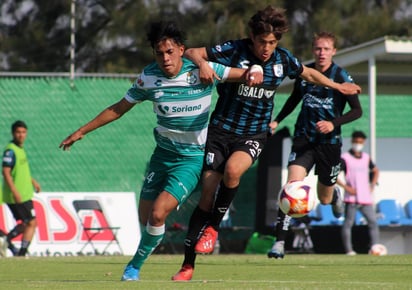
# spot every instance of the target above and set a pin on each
(408, 209)
(391, 213)
(388, 211)
(406, 214)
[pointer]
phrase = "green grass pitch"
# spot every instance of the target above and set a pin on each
(296, 271)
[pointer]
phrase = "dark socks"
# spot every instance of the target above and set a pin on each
(17, 230)
(197, 222)
(24, 246)
(223, 200)
(282, 226)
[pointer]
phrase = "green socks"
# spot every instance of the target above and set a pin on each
(151, 238)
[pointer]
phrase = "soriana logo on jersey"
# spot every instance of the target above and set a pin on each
(74, 223)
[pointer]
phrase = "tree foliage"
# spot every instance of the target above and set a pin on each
(111, 34)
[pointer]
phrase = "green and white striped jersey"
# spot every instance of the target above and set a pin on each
(181, 103)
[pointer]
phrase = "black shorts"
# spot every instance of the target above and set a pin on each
(23, 211)
(326, 157)
(221, 144)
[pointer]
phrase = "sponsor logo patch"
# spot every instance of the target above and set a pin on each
(278, 70)
(210, 158)
(191, 78)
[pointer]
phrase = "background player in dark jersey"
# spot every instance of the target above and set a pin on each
(240, 122)
(317, 138)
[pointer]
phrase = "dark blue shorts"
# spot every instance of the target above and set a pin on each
(221, 144)
(326, 157)
(22, 211)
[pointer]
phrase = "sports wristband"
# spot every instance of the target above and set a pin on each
(256, 68)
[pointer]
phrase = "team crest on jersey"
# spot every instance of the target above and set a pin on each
(278, 70)
(140, 82)
(191, 78)
(158, 83)
(209, 158)
(269, 93)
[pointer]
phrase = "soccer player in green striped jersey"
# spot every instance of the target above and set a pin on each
(181, 103)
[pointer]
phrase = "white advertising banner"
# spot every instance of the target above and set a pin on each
(59, 228)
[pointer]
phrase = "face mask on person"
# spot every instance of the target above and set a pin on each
(357, 147)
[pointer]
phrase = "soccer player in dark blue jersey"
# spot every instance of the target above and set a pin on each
(239, 125)
(317, 138)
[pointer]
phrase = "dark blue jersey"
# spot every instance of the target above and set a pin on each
(246, 110)
(322, 103)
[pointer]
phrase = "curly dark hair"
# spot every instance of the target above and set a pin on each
(269, 20)
(161, 30)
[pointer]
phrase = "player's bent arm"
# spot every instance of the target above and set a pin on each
(108, 115)
(199, 57)
(375, 176)
(354, 113)
(236, 75)
(36, 185)
(290, 104)
(252, 76)
(313, 76)
(9, 181)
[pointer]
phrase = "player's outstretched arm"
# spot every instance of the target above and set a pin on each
(313, 76)
(108, 115)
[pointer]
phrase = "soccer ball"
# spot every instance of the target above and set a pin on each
(378, 250)
(296, 199)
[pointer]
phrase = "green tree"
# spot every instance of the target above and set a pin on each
(111, 34)
(352, 21)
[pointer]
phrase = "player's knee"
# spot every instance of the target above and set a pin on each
(32, 223)
(325, 200)
(20, 227)
(158, 217)
(232, 176)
